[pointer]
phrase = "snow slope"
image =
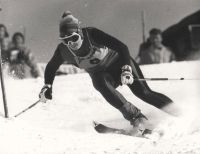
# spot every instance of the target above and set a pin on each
(64, 125)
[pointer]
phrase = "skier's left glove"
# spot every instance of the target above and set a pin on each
(45, 93)
(126, 76)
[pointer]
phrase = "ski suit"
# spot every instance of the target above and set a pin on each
(103, 56)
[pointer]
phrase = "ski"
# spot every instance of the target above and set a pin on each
(101, 128)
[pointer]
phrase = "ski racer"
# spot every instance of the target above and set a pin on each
(109, 64)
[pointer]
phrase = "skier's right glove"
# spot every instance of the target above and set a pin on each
(126, 76)
(45, 93)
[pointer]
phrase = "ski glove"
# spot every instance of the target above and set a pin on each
(126, 76)
(45, 93)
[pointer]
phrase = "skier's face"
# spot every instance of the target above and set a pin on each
(73, 40)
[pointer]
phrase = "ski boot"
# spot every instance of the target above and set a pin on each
(139, 119)
(134, 116)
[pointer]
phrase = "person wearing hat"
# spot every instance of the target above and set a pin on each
(109, 64)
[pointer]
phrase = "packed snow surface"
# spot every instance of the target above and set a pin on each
(64, 125)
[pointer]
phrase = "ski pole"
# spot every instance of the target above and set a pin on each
(162, 79)
(27, 108)
(3, 87)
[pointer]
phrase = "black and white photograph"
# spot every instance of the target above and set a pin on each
(99, 76)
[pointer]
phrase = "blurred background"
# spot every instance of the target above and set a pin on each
(38, 20)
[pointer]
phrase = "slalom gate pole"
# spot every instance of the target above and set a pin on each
(3, 88)
(27, 108)
(163, 79)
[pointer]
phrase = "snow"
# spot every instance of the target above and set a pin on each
(64, 125)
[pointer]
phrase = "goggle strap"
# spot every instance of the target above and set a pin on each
(62, 38)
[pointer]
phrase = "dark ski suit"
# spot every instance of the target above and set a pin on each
(103, 56)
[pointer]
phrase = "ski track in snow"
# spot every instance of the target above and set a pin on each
(64, 125)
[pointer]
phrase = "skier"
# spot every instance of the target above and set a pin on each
(109, 64)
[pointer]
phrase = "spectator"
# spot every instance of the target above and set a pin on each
(19, 56)
(3, 42)
(153, 51)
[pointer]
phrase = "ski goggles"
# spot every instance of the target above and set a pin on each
(74, 37)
